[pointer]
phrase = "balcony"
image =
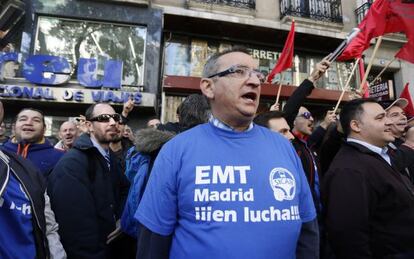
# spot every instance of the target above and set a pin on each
(361, 11)
(244, 4)
(320, 10)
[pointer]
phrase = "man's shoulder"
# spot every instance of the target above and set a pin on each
(73, 158)
(353, 157)
(10, 146)
(22, 166)
(188, 135)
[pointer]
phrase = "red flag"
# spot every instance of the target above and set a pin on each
(409, 109)
(404, 11)
(373, 25)
(286, 57)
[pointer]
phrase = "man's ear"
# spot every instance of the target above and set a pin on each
(355, 126)
(207, 87)
(89, 126)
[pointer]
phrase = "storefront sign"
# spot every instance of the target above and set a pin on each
(381, 90)
(52, 70)
(73, 95)
(56, 71)
(264, 54)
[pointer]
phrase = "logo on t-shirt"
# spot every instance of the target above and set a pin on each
(283, 184)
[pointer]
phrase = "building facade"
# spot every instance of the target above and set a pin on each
(62, 55)
(194, 29)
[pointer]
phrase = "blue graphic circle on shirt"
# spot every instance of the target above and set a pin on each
(283, 184)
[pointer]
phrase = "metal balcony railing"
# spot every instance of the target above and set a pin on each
(246, 4)
(321, 10)
(362, 10)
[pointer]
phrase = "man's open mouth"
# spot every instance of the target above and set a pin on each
(250, 96)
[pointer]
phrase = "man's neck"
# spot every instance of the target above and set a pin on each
(18, 140)
(103, 145)
(115, 146)
(236, 126)
(300, 135)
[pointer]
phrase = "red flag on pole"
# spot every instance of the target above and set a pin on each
(402, 20)
(384, 16)
(286, 57)
(409, 109)
(373, 25)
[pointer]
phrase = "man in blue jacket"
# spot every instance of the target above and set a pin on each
(30, 142)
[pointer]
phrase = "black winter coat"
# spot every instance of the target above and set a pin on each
(34, 184)
(369, 206)
(87, 199)
(305, 150)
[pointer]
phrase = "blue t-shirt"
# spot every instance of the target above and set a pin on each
(228, 194)
(16, 229)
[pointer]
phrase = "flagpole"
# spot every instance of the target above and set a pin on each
(280, 88)
(383, 70)
(364, 80)
(348, 81)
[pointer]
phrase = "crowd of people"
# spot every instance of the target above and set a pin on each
(222, 182)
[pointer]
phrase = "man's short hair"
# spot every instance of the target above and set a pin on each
(31, 109)
(263, 118)
(352, 111)
(89, 111)
(193, 110)
(210, 68)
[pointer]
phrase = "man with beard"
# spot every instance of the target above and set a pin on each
(88, 190)
(68, 133)
(369, 205)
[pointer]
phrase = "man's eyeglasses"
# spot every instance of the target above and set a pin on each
(107, 117)
(241, 72)
(306, 115)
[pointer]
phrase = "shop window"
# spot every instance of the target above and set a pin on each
(74, 39)
(185, 56)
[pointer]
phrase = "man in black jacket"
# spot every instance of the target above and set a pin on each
(28, 226)
(88, 190)
(369, 205)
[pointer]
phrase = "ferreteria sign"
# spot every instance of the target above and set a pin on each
(46, 78)
(382, 91)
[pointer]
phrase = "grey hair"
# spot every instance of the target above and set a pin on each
(210, 68)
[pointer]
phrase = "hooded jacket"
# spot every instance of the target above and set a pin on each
(87, 198)
(43, 155)
(138, 166)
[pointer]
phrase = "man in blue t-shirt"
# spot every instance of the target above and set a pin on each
(28, 225)
(228, 188)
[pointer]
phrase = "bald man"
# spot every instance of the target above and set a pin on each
(68, 133)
